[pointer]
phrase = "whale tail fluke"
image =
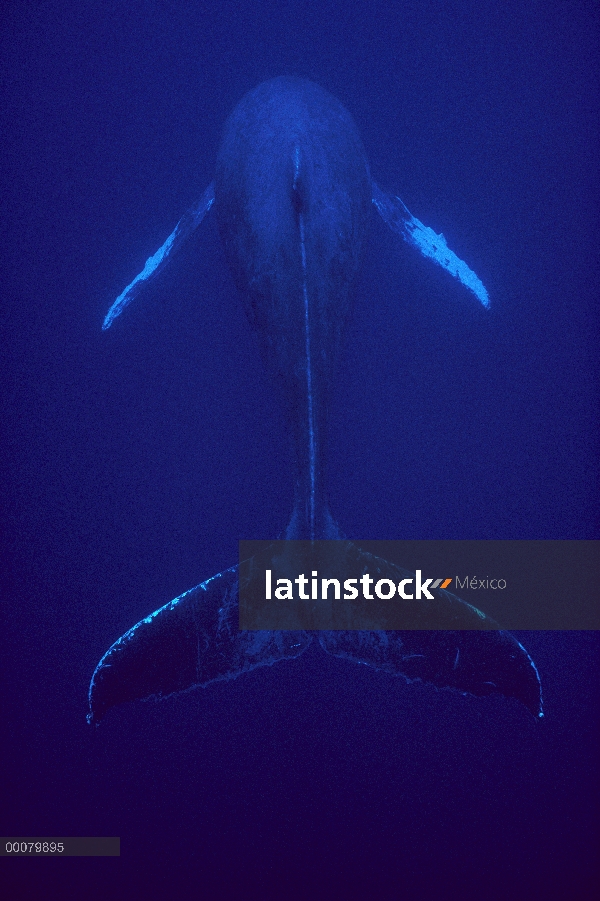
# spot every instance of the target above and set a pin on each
(190, 642)
(195, 640)
(474, 663)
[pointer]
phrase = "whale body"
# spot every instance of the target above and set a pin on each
(293, 203)
(293, 196)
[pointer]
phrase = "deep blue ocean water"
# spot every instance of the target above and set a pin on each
(134, 460)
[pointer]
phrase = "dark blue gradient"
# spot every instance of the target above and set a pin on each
(134, 459)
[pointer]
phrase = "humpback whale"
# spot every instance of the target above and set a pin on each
(293, 197)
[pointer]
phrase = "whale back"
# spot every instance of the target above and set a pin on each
(293, 198)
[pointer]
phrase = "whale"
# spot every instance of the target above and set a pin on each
(294, 199)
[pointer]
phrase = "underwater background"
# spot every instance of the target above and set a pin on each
(134, 460)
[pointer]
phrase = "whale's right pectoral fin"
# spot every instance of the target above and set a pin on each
(156, 263)
(396, 214)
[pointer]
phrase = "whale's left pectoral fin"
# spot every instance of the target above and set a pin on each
(399, 218)
(156, 263)
(190, 642)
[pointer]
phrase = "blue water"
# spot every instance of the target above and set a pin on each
(134, 459)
